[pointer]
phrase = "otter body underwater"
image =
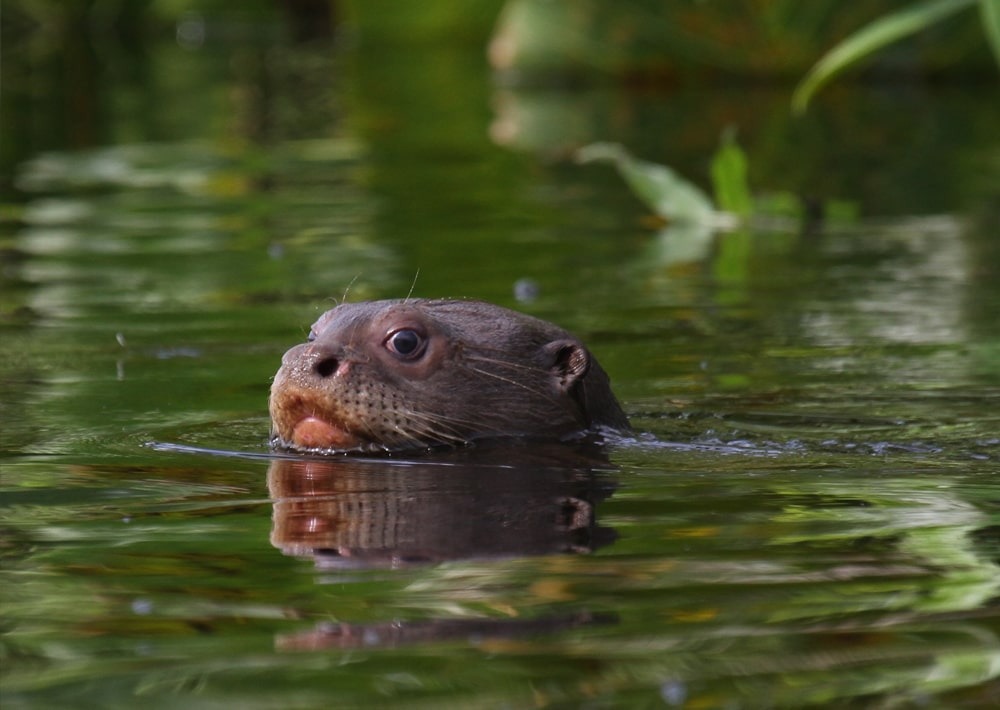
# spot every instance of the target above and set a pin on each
(410, 374)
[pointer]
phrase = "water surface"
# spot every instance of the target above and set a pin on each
(805, 515)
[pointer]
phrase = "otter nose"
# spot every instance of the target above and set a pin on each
(326, 365)
(323, 360)
(312, 359)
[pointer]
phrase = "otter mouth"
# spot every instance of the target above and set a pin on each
(308, 432)
(315, 433)
(315, 442)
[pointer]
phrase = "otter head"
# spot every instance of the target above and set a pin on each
(395, 375)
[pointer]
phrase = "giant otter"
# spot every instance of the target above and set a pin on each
(409, 374)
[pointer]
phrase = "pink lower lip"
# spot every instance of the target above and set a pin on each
(314, 433)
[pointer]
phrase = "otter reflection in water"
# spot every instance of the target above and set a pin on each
(351, 513)
(397, 375)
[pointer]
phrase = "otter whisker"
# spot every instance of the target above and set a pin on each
(370, 431)
(427, 437)
(506, 363)
(435, 416)
(417, 429)
(423, 431)
(439, 424)
(550, 396)
(412, 285)
(347, 290)
(508, 380)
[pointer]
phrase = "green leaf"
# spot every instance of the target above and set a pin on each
(989, 11)
(883, 31)
(666, 193)
(729, 176)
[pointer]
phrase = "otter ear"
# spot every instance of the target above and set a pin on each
(569, 362)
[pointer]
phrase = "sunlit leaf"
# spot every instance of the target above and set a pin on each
(872, 37)
(989, 11)
(666, 193)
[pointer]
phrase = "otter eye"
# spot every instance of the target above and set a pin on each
(312, 336)
(405, 343)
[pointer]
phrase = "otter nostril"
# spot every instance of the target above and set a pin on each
(326, 367)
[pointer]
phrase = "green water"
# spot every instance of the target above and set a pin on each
(806, 515)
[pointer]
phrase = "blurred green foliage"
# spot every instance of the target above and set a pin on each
(891, 28)
(651, 40)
